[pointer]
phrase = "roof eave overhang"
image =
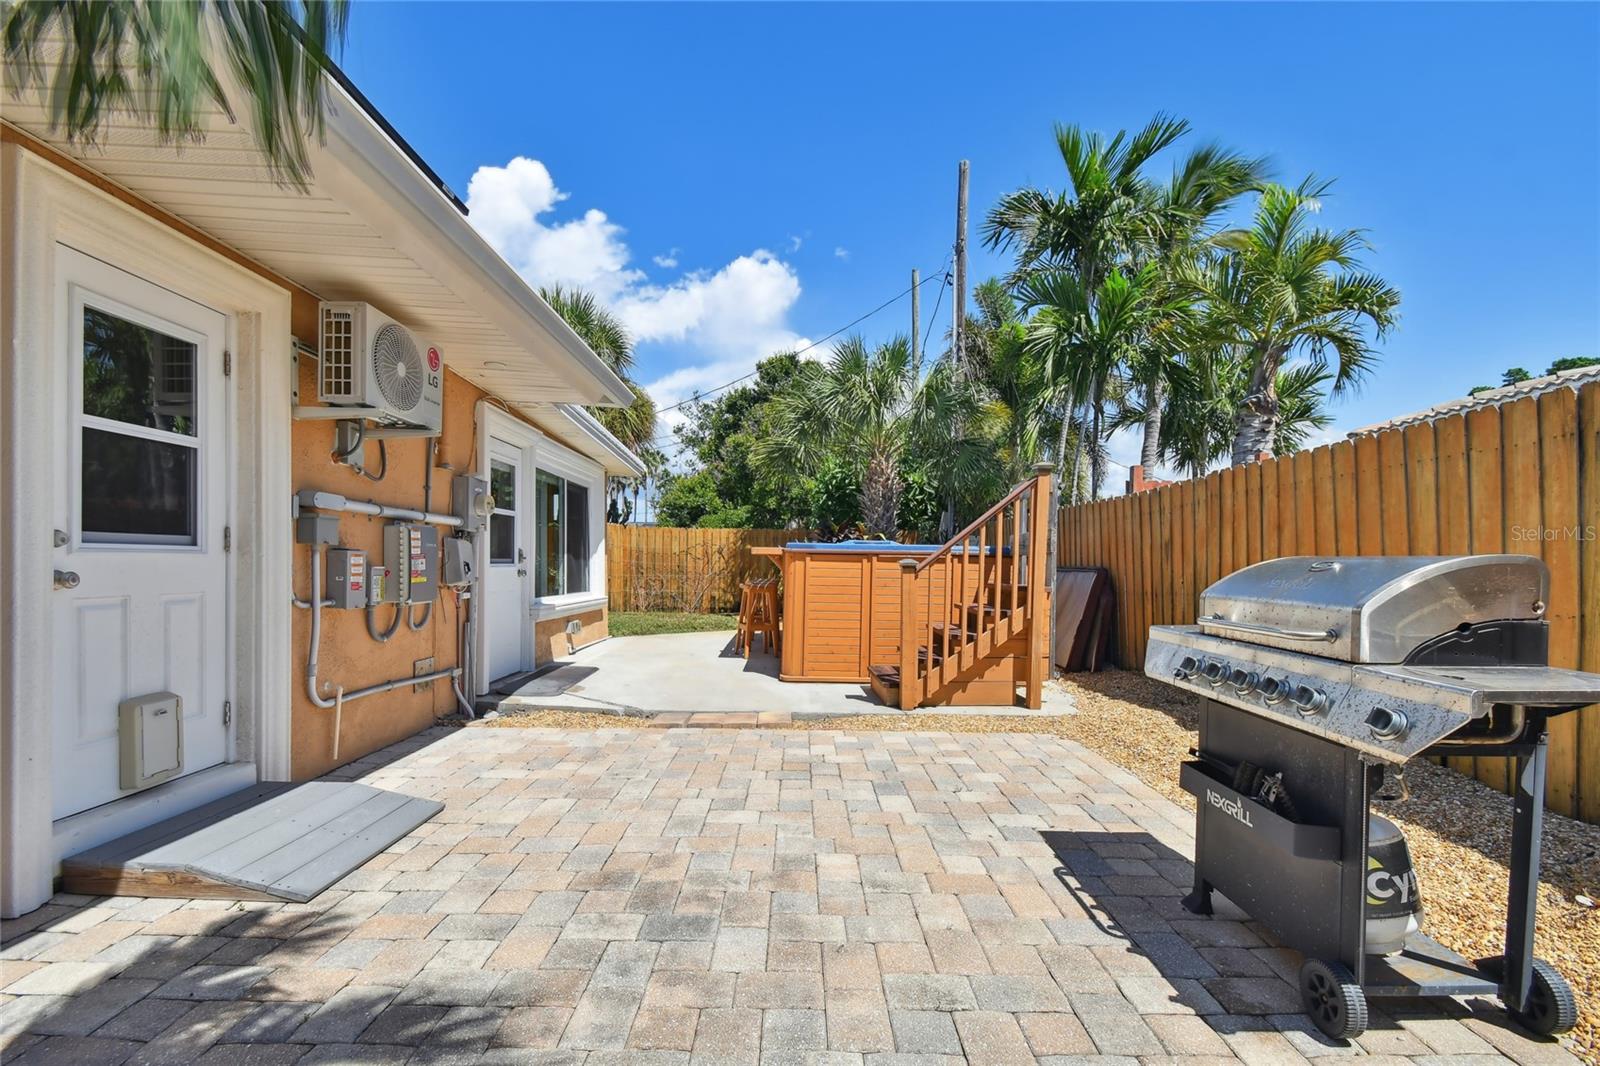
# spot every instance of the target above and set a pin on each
(361, 166)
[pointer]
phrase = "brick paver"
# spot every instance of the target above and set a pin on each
(716, 896)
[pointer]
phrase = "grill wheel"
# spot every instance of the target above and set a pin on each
(1551, 1009)
(1333, 1000)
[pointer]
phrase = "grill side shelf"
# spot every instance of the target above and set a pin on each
(1218, 799)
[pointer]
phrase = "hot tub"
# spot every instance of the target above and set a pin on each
(841, 607)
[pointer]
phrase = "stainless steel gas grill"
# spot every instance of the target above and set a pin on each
(1321, 675)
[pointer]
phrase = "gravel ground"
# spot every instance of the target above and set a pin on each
(1458, 829)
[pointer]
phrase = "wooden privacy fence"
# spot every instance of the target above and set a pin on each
(660, 568)
(1520, 477)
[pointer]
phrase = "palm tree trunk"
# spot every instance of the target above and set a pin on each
(1256, 423)
(1097, 455)
(1154, 397)
(880, 496)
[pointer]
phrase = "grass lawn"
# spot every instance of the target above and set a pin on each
(649, 623)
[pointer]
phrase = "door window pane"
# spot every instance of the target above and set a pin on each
(503, 519)
(577, 538)
(503, 485)
(502, 538)
(136, 489)
(135, 374)
(547, 500)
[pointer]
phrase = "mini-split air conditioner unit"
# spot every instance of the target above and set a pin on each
(373, 367)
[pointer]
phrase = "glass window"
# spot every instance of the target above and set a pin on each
(503, 519)
(136, 489)
(562, 511)
(577, 538)
(549, 562)
(137, 375)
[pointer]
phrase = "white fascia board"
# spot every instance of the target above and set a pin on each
(614, 455)
(365, 170)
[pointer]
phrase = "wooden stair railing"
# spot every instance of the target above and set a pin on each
(967, 615)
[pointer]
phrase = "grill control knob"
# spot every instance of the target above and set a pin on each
(1238, 678)
(1214, 672)
(1386, 724)
(1273, 689)
(1250, 683)
(1308, 700)
(1186, 668)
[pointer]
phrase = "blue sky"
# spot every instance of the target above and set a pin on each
(737, 178)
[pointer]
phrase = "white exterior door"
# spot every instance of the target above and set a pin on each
(142, 455)
(507, 584)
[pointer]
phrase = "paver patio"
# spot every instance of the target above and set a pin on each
(717, 896)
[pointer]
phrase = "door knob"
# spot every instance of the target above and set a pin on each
(66, 579)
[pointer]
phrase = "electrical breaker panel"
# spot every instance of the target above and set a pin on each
(347, 578)
(382, 587)
(411, 553)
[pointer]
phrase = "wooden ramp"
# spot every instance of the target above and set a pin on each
(274, 841)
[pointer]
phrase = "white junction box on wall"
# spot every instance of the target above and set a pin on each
(150, 730)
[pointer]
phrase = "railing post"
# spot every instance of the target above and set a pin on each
(1041, 582)
(910, 683)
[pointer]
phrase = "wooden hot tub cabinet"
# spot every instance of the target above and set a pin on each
(841, 608)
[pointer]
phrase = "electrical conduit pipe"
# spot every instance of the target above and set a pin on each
(340, 696)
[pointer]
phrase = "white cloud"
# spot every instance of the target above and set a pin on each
(795, 243)
(841, 253)
(735, 315)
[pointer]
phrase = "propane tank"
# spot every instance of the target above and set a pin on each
(1394, 907)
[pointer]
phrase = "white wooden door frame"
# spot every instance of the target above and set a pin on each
(42, 206)
(495, 424)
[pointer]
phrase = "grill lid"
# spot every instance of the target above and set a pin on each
(1371, 609)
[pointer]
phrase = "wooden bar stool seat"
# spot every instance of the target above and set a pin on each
(758, 614)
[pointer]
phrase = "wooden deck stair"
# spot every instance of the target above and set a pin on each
(972, 628)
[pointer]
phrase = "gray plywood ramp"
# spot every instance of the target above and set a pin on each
(275, 841)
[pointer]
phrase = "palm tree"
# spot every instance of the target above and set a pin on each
(1283, 287)
(1201, 406)
(606, 336)
(1082, 338)
(1114, 218)
(591, 320)
(858, 407)
(156, 61)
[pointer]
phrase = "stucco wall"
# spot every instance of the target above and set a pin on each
(348, 656)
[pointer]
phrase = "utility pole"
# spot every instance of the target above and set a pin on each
(960, 306)
(916, 313)
(960, 300)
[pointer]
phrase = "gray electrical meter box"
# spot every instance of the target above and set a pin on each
(150, 739)
(347, 578)
(456, 562)
(411, 552)
(381, 586)
(469, 501)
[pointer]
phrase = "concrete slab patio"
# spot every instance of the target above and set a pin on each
(712, 896)
(701, 673)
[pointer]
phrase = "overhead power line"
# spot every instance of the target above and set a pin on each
(940, 275)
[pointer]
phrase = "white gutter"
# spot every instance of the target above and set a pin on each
(369, 167)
